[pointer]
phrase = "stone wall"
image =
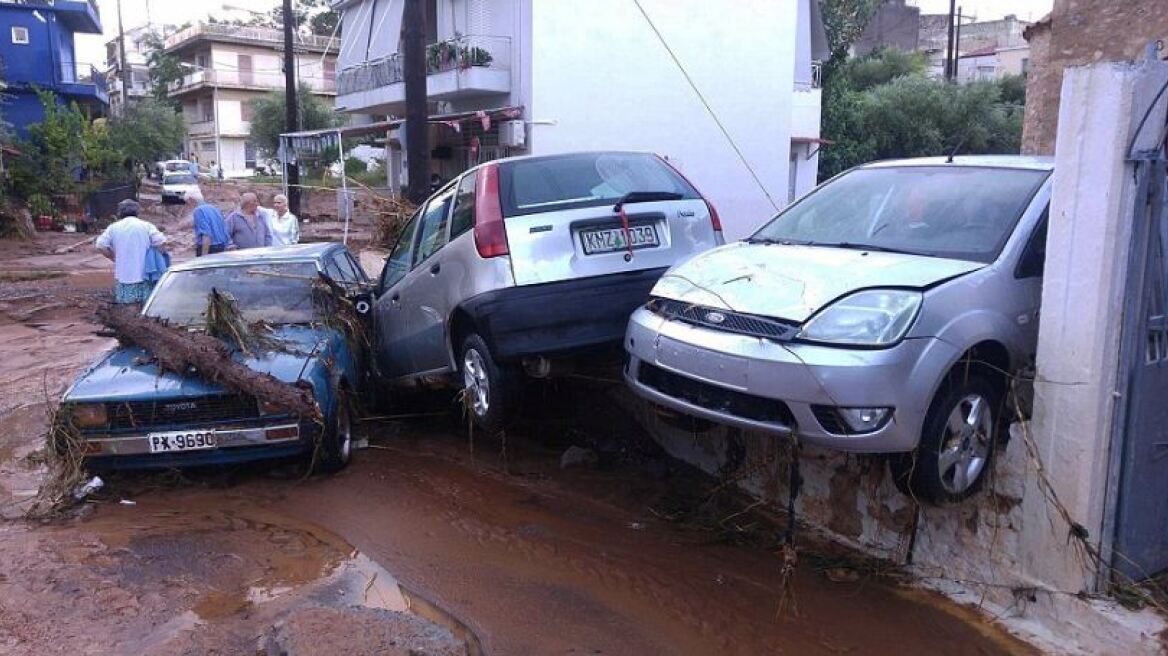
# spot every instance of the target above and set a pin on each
(1081, 32)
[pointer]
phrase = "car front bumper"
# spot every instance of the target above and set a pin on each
(763, 385)
(233, 445)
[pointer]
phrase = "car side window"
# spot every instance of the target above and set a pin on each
(1033, 259)
(397, 265)
(462, 219)
(357, 268)
(433, 225)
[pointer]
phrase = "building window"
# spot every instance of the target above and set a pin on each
(249, 155)
(207, 108)
(20, 35)
(246, 110)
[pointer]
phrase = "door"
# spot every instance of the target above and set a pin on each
(1141, 520)
(389, 319)
(427, 288)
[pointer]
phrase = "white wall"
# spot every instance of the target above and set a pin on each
(601, 79)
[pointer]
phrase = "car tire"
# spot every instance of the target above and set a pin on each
(489, 386)
(956, 449)
(336, 446)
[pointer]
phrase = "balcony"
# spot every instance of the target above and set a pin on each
(239, 34)
(200, 128)
(267, 80)
(81, 80)
(80, 16)
(457, 68)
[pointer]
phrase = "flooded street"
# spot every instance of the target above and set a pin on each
(429, 543)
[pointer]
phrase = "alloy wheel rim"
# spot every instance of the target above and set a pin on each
(474, 379)
(965, 444)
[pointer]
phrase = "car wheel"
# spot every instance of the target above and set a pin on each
(488, 388)
(336, 447)
(957, 442)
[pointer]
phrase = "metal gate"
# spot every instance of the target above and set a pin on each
(1140, 548)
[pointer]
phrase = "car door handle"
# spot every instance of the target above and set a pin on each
(395, 299)
(436, 268)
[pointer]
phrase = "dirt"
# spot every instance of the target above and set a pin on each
(421, 546)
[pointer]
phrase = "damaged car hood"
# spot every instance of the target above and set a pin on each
(130, 373)
(792, 282)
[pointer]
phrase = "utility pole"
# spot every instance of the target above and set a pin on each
(950, 61)
(291, 105)
(124, 69)
(417, 143)
(957, 43)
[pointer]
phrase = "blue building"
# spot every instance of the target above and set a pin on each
(37, 51)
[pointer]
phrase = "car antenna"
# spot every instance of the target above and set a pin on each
(956, 148)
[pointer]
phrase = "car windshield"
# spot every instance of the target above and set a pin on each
(545, 184)
(179, 180)
(958, 212)
(177, 165)
(279, 293)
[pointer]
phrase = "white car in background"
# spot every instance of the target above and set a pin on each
(179, 187)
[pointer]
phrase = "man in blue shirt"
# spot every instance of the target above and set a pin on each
(210, 225)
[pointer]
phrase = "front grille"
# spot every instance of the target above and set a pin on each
(131, 415)
(712, 397)
(725, 320)
(830, 419)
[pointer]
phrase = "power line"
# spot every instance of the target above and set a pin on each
(706, 104)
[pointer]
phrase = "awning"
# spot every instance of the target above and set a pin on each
(812, 140)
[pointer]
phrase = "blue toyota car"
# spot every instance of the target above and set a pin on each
(132, 415)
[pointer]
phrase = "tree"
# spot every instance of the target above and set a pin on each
(164, 69)
(268, 123)
(312, 16)
(148, 130)
(844, 21)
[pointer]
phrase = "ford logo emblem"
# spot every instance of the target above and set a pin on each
(715, 317)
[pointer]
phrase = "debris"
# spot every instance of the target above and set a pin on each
(225, 321)
(180, 350)
(127, 502)
(578, 457)
(842, 575)
(636, 526)
(92, 485)
(66, 249)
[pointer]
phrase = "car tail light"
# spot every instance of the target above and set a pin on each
(489, 233)
(715, 220)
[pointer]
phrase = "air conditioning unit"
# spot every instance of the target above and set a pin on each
(512, 134)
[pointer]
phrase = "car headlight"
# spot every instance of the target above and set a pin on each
(89, 415)
(877, 317)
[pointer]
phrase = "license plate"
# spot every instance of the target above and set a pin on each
(608, 240)
(181, 441)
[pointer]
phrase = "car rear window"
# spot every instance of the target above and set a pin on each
(179, 180)
(545, 184)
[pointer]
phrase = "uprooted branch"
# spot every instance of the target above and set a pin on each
(180, 351)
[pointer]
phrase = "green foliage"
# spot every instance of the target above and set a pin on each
(65, 154)
(1013, 89)
(148, 130)
(881, 67)
(844, 21)
(316, 15)
(40, 205)
(354, 166)
(163, 68)
(267, 123)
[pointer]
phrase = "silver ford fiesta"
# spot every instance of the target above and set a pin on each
(884, 312)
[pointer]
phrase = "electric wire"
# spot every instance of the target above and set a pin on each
(706, 104)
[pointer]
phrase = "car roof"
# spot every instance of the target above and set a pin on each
(312, 252)
(522, 158)
(988, 161)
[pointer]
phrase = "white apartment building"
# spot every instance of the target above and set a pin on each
(136, 70)
(596, 75)
(231, 66)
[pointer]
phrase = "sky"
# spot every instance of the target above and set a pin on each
(91, 48)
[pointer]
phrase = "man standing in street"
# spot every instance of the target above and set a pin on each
(210, 226)
(246, 227)
(284, 225)
(126, 242)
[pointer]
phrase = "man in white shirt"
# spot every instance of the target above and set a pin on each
(282, 224)
(126, 242)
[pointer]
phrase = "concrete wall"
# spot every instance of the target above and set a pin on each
(629, 94)
(1081, 32)
(894, 25)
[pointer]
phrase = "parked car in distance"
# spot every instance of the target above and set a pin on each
(179, 187)
(132, 415)
(882, 313)
(521, 262)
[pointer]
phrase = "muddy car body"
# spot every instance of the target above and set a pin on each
(853, 335)
(133, 415)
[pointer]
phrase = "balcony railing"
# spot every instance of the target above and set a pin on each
(261, 34)
(264, 79)
(460, 53)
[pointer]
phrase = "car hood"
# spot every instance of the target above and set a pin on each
(793, 282)
(129, 373)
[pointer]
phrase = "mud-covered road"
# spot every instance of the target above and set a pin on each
(429, 543)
